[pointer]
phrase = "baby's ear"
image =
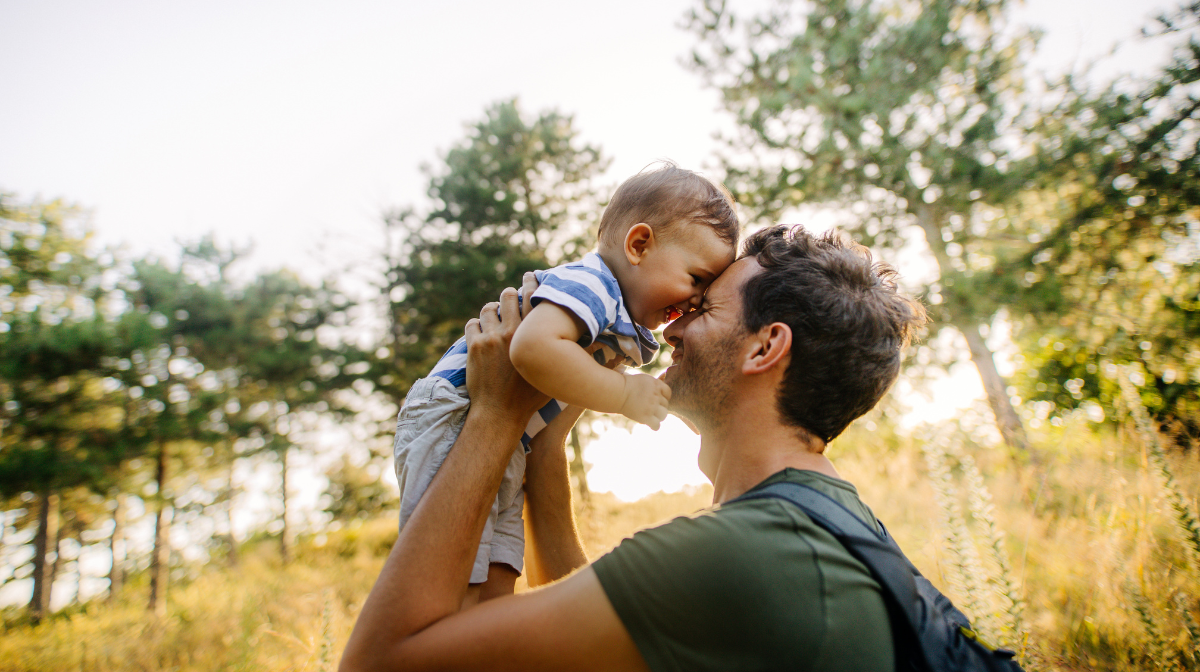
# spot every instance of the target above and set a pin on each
(638, 241)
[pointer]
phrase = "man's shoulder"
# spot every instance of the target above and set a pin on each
(841, 491)
(746, 535)
(778, 588)
(757, 520)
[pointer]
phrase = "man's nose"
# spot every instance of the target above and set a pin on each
(674, 331)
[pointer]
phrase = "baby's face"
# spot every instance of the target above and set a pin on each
(675, 273)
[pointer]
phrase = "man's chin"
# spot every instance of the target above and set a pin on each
(685, 412)
(690, 425)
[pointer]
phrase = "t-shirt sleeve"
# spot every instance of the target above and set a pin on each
(589, 294)
(699, 594)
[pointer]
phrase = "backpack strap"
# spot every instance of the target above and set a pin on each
(915, 603)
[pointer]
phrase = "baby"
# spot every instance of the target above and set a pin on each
(664, 237)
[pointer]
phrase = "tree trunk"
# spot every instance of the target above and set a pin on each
(39, 604)
(232, 558)
(116, 549)
(56, 564)
(1007, 420)
(994, 385)
(578, 468)
(284, 551)
(160, 557)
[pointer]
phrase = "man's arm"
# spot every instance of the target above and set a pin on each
(552, 546)
(411, 621)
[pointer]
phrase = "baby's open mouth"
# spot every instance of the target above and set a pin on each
(673, 314)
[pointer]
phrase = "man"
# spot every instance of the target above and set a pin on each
(795, 340)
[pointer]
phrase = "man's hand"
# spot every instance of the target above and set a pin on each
(529, 285)
(646, 400)
(492, 382)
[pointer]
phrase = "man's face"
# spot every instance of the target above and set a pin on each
(707, 344)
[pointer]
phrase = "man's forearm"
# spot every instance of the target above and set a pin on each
(553, 542)
(428, 570)
(425, 576)
(411, 620)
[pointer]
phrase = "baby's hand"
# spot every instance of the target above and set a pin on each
(646, 400)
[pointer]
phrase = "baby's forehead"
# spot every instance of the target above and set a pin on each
(710, 240)
(705, 249)
(700, 231)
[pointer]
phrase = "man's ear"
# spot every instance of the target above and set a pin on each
(639, 240)
(772, 345)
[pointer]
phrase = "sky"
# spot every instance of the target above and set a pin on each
(294, 125)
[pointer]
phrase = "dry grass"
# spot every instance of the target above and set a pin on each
(1090, 540)
(261, 615)
(257, 616)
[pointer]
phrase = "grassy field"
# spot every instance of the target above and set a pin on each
(1078, 559)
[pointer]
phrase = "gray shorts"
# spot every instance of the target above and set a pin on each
(429, 423)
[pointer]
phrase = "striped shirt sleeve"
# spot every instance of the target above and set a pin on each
(585, 289)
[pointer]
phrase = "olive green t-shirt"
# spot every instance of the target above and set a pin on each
(752, 585)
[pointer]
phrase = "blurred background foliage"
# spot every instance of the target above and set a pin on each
(1056, 220)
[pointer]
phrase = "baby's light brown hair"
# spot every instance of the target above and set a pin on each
(665, 197)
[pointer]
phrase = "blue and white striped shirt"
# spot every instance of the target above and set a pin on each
(588, 290)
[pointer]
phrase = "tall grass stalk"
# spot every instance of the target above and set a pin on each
(1189, 622)
(1158, 647)
(1185, 520)
(966, 570)
(1011, 609)
(325, 660)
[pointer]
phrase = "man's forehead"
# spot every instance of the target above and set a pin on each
(729, 284)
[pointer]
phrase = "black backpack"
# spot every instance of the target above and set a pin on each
(928, 632)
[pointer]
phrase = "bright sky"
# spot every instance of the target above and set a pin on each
(294, 124)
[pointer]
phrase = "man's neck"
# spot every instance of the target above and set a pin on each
(753, 445)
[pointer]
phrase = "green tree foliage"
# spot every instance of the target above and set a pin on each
(56, 428)
(517, 194)
(182, 339)
(290, 373)
(1114, 278)
(910, 116)
(148, 377)
(357, 491)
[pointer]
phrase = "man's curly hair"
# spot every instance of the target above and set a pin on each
(849, 323)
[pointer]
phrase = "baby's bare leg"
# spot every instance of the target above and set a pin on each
(501, 581)
(472, 597)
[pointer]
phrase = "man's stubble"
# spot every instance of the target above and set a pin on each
(702, 383)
